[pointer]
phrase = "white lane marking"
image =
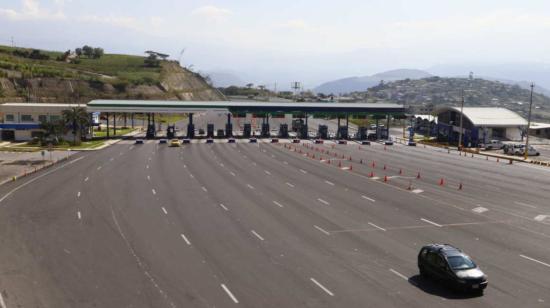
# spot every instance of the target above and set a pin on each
(257, 235)
(154, 191)
(185, 239)
(278, 204)
(131, 147)
(38, 177)
(224, 207)
(184, 166)
(249, 186)
(111, 159)
(540, 217)
(399, 274)
(232, 173)
(525, 204)
(2, 303)
(367, 198)
(164, 210)
(86, 179)
(289, 184)
(329, 183)
(149, 158)
(120, 153)
(377, 227)
(147, 167)
(148, 178)
(204, 188)
(222, 165)
(99, 168)
(479, 209)
(417, 191)
(79, 215)
(322, 287)
(226, 289)
(535, 260)
(267, 172)
(375, 178)
(321, 229)
(78, 194)
(303, 171)
(191, 175)
(323, 201)
(285, 162)
(431, 222)
(253, 163)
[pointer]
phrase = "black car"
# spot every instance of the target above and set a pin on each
(449, 264)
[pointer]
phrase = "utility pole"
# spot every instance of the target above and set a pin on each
(528, 124)
(12, 42)
(461, 115)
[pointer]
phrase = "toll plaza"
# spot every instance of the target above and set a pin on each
(264, 111)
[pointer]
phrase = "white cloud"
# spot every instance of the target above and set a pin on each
(296, 24)
(212, 13)
(112, 20)
(30, 9)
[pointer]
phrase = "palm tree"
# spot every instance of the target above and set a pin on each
(78, 119)
(52, 131)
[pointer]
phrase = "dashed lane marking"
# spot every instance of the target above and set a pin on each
(154, 191)
(367, 198)
(148, 178)
(322, 287)
(185, 239)
(321, 229)
(98, 168)
(277, 204)
(249, 186)
(323, 201)
(232, 173)
(540, 217)
(191, 175)
(204, 188)
(525, 204)
(226, 289)
(79, 215)
(224, 207)
(535, 260)
(164, 210)
(431, 222)
(417, 191)
(267, 172)
(86, 179)
(399, 274)
(257, 235)
(480, 210)
(329, 183)
(289, 184)
(2, 303)
(303, 171)
(377, 227)
(285, 162)
(78, 194)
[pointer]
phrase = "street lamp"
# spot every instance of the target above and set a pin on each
(461, 114)
(526, 153)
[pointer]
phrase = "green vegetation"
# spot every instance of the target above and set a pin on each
(119, 132)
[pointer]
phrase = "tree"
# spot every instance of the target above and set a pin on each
(78, 119)
(98, 53)
(88, 51)
(78, 51)
(152, 61)
(249, 85)
(52, 131)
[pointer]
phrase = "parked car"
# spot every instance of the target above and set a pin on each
(519, 150)
(448, 264)
(493, 145)
(174, 143)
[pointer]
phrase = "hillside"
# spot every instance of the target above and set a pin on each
(353, 84)
(41, 76)
(478, 92)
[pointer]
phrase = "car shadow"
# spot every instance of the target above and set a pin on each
(440, 289)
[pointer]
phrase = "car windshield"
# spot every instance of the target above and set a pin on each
(460, 262)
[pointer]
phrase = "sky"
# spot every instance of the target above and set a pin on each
(281, 41)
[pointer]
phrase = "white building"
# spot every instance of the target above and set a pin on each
(21, 121)
(480, 124)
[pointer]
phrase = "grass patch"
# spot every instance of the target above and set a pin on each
(119, 132)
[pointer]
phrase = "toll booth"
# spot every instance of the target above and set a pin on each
(171, 131)
(342, 132)
(283, 130)
(150, 131)
(220, 133)
(362, 133)
(229, 130)
(247, 130)
(322, 132)
(210, 131)
(265, 130)
(302, 132)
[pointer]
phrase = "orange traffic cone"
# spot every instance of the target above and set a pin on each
(400, 171)
(384, 166)
(441, 182)
(350, 167)
(385, 178)
(418, 175)
(460, 186)
(371, 174)
(340, 164)
(410, 186)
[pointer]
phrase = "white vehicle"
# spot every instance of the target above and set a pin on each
(493, 145)
(519, 150)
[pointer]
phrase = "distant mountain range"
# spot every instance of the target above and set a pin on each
(354, 84)
(225, 78)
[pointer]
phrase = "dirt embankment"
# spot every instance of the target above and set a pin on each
(176, 83)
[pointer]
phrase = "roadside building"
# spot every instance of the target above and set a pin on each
(21, 121)
(480, 125)
(541, 130)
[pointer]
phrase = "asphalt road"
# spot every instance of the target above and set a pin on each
(244, 225)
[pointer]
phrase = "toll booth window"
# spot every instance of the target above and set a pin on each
(26, 118)
(10, 118)
(42, 118)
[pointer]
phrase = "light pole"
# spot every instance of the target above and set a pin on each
(461, 115)
(528, 123)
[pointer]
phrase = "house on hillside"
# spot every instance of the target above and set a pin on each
(541, 130)
(480, 125)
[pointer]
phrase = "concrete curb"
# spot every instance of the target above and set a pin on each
(24, 174)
